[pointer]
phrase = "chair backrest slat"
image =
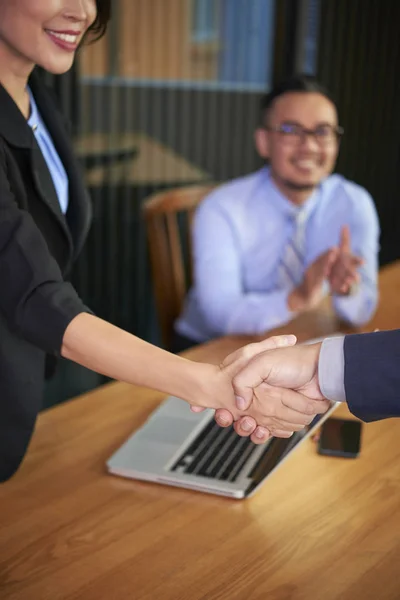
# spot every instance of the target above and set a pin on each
(166, 249)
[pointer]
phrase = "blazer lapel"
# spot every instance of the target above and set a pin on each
(15, 129)
(79, 209)
(45, 187)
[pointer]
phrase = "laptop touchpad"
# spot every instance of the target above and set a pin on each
(166, 430)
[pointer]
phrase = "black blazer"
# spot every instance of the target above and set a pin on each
(38, 245)
(372, 374)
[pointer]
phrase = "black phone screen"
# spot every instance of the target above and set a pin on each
(340, 437)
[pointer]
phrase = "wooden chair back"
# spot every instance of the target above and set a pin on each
(169, 216)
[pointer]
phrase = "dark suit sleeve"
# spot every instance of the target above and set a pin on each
(372, 374)
(37, 304)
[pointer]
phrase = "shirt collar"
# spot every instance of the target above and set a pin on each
(290, 210)
(34, 118)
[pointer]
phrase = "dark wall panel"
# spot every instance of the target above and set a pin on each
(213, 129)
(359, 60)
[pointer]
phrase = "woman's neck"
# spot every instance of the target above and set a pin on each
(14, 74)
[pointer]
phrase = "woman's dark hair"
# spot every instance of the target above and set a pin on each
(99, 27)
(295, 83)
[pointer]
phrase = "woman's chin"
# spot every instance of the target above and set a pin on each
(57, 67)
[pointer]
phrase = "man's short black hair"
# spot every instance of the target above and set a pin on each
(295, 83)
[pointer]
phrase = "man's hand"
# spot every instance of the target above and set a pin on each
(236, 361)
(285, 369)
(294, 368)
(344, 272)
(276, 411)
(310, 292)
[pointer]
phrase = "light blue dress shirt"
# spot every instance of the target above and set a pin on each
(53, 161)
(240, 233)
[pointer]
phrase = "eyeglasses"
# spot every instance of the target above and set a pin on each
(292, 134)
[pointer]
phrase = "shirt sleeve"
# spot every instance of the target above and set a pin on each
(35, 301)
(358, 307)
(331, 369)
(226, 307)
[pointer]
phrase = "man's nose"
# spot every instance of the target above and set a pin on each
(309, 142)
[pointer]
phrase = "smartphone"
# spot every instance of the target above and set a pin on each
(340, 437)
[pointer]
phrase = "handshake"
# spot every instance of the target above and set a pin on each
(276, 389)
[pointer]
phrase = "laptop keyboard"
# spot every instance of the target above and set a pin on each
(217, 452)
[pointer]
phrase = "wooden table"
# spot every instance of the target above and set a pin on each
(320, 529)
(153, 163)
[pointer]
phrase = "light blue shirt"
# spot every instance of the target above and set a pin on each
(53, 161)
(240, 233)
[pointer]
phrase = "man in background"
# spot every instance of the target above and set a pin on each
(271, 245)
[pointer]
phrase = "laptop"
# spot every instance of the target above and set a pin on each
(180, 448)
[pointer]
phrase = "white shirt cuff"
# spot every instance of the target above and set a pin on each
(331, 369)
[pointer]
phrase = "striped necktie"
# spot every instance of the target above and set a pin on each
(291, 265)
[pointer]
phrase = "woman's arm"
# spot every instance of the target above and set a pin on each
(106, 349)
(47, 312)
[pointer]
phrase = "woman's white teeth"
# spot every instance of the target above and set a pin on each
(66, 37)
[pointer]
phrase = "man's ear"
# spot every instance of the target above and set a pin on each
(261, 138)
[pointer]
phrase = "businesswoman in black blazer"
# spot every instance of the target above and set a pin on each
(44, 219)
